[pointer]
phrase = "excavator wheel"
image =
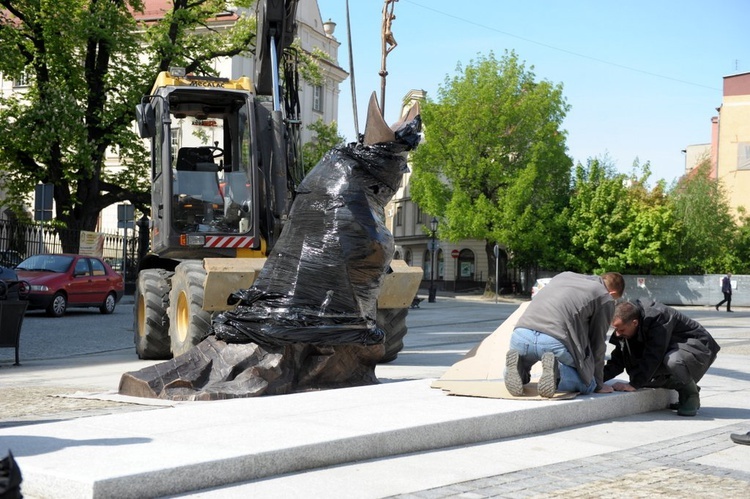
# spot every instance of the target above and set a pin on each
(393, 322)
(150, 321)
(188, 322)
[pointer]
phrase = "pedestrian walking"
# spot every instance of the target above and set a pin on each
(726, 288)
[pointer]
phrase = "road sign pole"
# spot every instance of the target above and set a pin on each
(497, 271)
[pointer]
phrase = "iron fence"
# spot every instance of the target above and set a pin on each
(19, 241)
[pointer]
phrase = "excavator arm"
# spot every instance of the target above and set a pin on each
(278, 128)
(275, 32)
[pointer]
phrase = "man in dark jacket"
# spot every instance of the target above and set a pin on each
(726, 289)
(565, 327)
(660, 347)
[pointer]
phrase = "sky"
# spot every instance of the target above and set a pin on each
(643, 78)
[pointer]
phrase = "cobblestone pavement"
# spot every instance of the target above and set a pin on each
(663, 469)
(32, 404)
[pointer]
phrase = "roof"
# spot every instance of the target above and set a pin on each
(154, 10)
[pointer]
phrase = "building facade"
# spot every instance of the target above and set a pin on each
(729, 149)
(731, 140)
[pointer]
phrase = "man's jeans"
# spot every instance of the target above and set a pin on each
(531, 345)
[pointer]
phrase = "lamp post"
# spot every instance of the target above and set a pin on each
(433, 291)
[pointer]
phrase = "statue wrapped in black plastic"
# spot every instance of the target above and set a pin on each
(321, 281)
(309, 320)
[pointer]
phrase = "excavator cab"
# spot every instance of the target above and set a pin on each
(203, 201)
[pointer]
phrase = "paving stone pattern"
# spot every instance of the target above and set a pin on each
(663, 469)
(37, 404)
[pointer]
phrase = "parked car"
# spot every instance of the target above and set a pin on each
(63, 280)
(539, 284)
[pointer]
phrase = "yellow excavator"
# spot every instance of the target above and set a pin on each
(225, 162)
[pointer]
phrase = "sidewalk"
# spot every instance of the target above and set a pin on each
(403, 438)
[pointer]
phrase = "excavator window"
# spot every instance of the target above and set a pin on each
(196, 159)
(211, 184)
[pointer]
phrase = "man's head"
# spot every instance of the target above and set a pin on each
(626, 320)
(615, 284)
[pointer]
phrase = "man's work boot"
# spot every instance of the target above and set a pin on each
(692, 401)
(550, 376)
(513, 375)
(681, 399)
(741, 438)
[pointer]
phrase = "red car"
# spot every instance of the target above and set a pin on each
(60, 281)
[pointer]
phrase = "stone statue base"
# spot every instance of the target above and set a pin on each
(215, 370)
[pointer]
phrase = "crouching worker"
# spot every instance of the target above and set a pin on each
(660, 347)
(565, 327)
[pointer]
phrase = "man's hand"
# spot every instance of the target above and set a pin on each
(623, 387)
(605, 389)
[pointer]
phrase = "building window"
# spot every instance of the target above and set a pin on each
(419, 216)
(22, 81)
(743, 156)
(317, 102)
(399, 216)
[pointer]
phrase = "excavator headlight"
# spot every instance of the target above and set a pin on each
(192, 240)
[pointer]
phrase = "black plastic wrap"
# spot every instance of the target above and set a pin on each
(321, 281)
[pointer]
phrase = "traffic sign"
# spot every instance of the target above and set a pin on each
(454, 253)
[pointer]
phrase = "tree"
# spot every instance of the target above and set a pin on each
(741, 244)
(88, 63)
(326, 138)
(81, 63)
(651, 233)
(493, 163)
(706, 230)
(616, 222)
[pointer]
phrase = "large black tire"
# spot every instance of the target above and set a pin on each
(393, 323)
(188, 322)
(150, 321)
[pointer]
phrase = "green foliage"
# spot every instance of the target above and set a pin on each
(616, 223)
(741, 244)
(88, 63)
(493, 162)
(706, 230)
(326, 138)
(80, 59)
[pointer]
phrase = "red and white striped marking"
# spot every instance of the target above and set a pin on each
(229, 242)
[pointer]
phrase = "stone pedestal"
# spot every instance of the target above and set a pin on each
(214, 370)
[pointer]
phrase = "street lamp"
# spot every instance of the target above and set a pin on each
(433, 291)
